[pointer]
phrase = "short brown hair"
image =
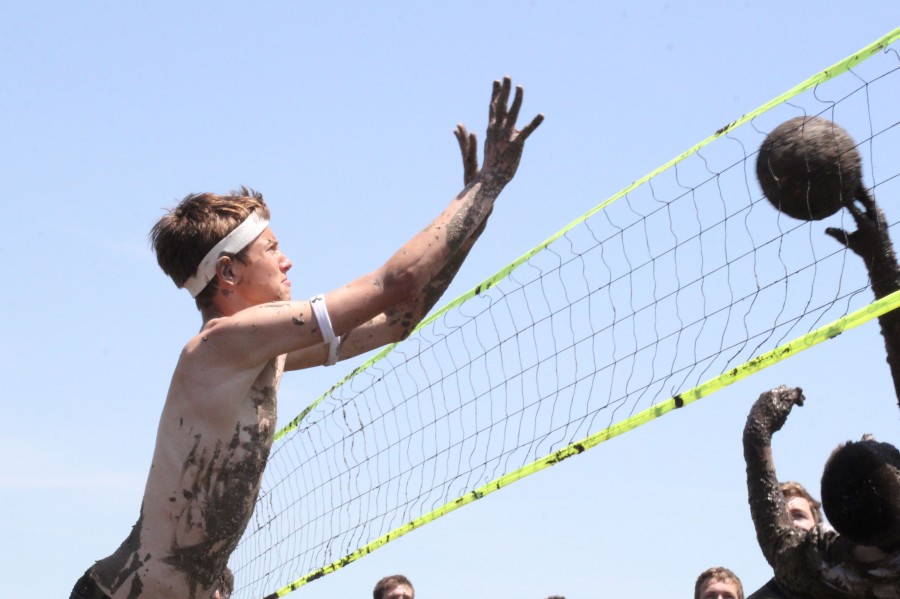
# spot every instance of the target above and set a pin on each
(186, 233)
(718, 573)
(794, 489)
(388, 583)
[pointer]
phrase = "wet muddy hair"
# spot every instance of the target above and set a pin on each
(794, 489)
(861, 493)
(721, 574)
(186, 233)
(388, 583)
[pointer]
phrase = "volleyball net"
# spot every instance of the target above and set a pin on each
(683, 282)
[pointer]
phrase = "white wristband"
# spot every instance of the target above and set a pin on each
(321, 313)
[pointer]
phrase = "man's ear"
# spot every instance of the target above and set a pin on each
(225, 272)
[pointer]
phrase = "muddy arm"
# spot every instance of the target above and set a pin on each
(422, 305)
(774, 529)
(468, 147)
(382, 329)
(872, 243)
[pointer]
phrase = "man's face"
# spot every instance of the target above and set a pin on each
(801, 513)
(401, 591)
(264, 276)
(719, 589)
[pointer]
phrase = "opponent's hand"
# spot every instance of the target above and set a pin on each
(468, 146)
(871, 228)
(771, 410)
(504, 143)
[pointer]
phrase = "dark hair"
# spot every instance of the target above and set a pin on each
(186, 233)
(861, 492)
(388, 583)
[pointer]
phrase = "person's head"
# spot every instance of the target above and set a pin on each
(187, 234)
(397, 586)
(861, 493)
(718, 583)
(805, 511)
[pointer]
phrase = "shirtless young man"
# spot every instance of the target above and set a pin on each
(217, 425)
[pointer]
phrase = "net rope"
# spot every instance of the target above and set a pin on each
(686, 280)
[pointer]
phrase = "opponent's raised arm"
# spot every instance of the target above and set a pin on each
(774, 528)
(871, 242)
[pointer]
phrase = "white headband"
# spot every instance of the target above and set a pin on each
(232, 243)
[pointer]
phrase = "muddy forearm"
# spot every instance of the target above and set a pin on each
(770, 518)
(872, 242)
(439, 283)
(885, 277)
(409, 315)
(763, 491)
(427, 254)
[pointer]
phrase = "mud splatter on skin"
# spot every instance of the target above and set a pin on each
(136, 587)
(224, 483)
(459, 226)
(435, 289)
(298, 321)
(459, 246)
(114, 571)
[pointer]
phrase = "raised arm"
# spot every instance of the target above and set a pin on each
(872, 243)
(398, 321)
(398, 294)
(415, 269)
(774, 529)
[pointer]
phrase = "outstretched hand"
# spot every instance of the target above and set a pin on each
(504, 143)
(871, 228)
(771, 410)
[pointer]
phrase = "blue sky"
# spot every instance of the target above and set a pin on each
(341, 113)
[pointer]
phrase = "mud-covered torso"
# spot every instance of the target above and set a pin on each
(211, 451)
